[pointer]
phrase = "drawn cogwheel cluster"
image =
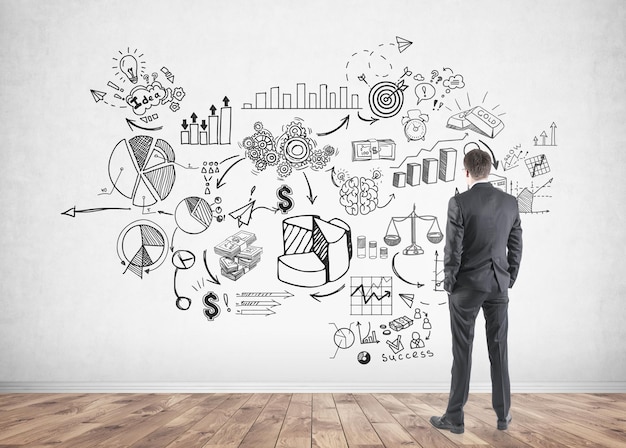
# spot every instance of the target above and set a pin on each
(293, 149)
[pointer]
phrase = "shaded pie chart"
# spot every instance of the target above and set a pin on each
(193, 215)
(142, 246)
(142, 169)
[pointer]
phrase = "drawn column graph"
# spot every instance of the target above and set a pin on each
(371, 296)
(214, 130)
(317, 98)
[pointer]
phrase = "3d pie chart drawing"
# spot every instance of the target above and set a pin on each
(193, 215)
(142, 169)
(142, 246)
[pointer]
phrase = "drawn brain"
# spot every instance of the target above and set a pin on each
(359, 195)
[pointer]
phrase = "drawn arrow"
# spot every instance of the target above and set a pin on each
(371, 120)
(193, 117)
(203, 125)
(433, 147)
(344, 121)
(285, 294)
(161, 212)
(172, 245)
(428, 337)
(495, 162)
(543, 136)
(266, 312)
(260, 303)
(220, 181)
(553, 134)
(318, 296)
(395, 271)
(544, 185)
(391, 198)
(72, 211)
(132, 123)
(535, 140)
(226, 101)
(332, 176)
(271, 209)
(213, 109)
(214, 278)
(358, 326)
(310, 196)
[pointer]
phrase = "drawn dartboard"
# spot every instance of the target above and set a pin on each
(142, 169)
(142, 245)
(386, 99)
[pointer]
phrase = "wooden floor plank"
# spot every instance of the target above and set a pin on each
(265, 430)
(235, 429)
(304, 420)
(358, 430)
(326, 429)
(296, 430)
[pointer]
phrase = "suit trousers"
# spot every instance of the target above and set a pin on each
(464, 307)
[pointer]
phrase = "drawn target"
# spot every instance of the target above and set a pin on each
(386, 98)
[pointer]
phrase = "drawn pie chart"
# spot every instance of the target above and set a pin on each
(142, 169)
(142, 245)
(193, 215)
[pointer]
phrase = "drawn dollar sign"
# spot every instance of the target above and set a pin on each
(212, 310)
(286, 202)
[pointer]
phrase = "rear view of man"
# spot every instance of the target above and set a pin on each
(482, 258)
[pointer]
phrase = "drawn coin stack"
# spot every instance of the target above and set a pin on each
(238, 256)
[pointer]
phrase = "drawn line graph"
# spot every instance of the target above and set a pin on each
(371, 296)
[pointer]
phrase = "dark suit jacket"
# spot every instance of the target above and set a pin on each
(483, 240)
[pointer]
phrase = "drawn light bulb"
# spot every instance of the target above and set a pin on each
(128, 66)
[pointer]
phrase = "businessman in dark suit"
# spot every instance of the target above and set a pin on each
(481, 260)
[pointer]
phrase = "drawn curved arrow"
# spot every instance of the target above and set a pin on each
(344, 121)
(132, 123)
(494, 162)
(220, 181)
(214, 278)
(310, 196)
(395, 271)
(392, 196)
(370, 120)
(317, 295)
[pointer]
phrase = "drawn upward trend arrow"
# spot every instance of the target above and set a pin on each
(343, 122)
(72, 211)
(433, 147)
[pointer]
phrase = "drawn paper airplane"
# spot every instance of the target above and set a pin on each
(243, 214)
(408, 299)
(403, 44)
(97, 95)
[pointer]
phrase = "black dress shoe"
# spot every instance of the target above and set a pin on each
(443, 423)
(504, 424)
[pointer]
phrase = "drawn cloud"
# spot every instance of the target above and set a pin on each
(454, 82)
(142, 98)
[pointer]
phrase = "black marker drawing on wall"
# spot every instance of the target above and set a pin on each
(484, 147)
(143, 169)
(220, 181)
(343, 338)
(238, 255)
(285, 200)
(407, 299)
(401, 323)
(193, 215)
(542, 140)
(310, 196)
(395, 271)
(403, 43)
(514, 156)
(386, 98)
(315, 252)
(415, 125)
(438, 142)
(527, 196)
(433, 234)
(211, 307)
(257, 307)
(477, 119)
(344, 122)
(212, 130)
(537, 165)
(71, 212)
(212, 278)
(370, 336)
(373, 149)
(243, 214)
(416, 340)
(182, 260)
(371, 296)
(142, 247)
(396, 345)
(438, 273)
(320, 295)
(359, 195)
(319, 98)
(363, 357)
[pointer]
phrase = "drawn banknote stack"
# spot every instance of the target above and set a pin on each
(316, 252)
(238, 255)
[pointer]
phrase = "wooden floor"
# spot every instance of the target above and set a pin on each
(304, 420)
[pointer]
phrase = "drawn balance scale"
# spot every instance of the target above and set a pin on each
(392, 237)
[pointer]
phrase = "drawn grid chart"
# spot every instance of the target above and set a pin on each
(371, 296)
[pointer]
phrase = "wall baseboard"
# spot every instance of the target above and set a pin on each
(201, 387)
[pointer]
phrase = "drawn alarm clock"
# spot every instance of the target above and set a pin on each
(415, 125)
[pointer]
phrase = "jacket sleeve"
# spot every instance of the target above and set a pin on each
(454, 245)
(514, 248)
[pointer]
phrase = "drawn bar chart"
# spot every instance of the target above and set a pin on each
(214, 130)
(318, 98)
